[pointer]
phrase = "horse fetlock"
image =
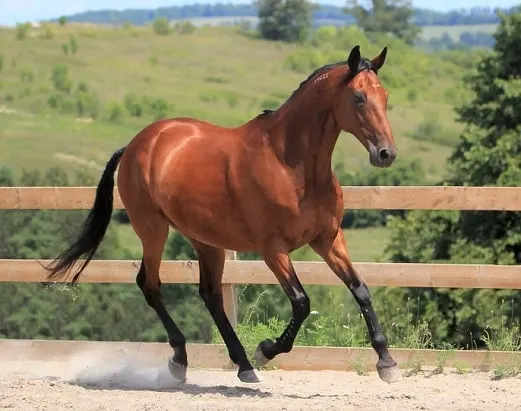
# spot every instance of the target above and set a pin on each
(180, 356)
(266, 351)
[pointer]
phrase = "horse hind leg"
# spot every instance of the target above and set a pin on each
(211, 266)
(153, 239)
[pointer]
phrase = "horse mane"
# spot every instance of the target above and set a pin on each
(365, 64)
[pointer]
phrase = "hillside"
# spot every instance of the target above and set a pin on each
(324, 12)
(193, 73)
(70, 95)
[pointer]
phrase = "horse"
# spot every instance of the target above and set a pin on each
(265, 186)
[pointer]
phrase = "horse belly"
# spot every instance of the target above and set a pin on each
(197, 201)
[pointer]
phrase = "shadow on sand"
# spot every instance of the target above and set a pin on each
(130, 378)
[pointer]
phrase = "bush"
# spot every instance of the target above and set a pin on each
(157, 107)
(184, 27)
(60, 78)
(87, 104)
(133, 105)
(22, 29)
(115, 112)
(47, 32)
(61, 102)
(26, 75)
(161, 26)
(73, 43)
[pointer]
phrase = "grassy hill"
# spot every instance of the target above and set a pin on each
(211, 73)
(72, 109)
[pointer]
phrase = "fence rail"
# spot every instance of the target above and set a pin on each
(317, 273)
(355, 197)
(309, 272)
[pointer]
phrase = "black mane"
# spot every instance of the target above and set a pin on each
(364, 64)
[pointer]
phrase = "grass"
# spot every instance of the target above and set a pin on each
(338, 327)
(197, 76)
(429, 32)
(365, 244)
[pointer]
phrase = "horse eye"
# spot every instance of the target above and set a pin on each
(360, 98)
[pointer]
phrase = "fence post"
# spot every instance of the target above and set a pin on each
(229, 298)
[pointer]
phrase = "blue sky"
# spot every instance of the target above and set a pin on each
(13, 11)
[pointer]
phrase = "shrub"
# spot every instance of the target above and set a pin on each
(115, 112)
(161, 26)
(60, 78)
(22, 29)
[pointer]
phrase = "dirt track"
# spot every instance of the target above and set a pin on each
(95, 384)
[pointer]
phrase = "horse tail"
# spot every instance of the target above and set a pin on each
(94, 227)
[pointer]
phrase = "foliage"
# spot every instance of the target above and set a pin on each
(329, 13)
(162, 26)
(385, 16)
(22, 30)
(488, 153)
(403, 173)
(286, 20)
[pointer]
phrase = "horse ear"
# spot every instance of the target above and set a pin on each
(378, 61)
(354, 59)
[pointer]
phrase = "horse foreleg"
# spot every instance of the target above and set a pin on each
(335, 255)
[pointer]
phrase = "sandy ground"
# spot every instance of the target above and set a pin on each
(93, 382)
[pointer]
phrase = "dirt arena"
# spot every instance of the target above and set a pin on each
(94, 382)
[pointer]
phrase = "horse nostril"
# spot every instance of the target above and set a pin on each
(384, 154)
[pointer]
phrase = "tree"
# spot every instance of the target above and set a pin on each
(286, 20)
(385, 16)
(488, 154)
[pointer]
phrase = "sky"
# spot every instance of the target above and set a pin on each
(13, 11)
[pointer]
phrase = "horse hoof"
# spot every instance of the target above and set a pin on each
(390, 374)
(249, 376)
(260, 359)
(177, 371)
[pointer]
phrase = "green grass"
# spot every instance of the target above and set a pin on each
(429, 32)
(215, 74)
(338, 326)
(365, 244)
(200, 77)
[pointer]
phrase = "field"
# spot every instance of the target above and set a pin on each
(67, 94)
(198, 77)
(429, 32)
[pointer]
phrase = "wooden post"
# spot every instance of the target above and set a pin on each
(229, 298)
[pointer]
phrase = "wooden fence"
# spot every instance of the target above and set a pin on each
(256, 272)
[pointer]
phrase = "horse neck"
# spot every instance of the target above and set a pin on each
(304, 136)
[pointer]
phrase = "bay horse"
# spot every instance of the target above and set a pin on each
(266, 186)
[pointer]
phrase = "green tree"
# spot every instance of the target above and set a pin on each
(488, 154)
(385, 16)
(286, 20)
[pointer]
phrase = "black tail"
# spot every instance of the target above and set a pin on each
(94, 227)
